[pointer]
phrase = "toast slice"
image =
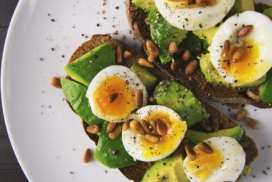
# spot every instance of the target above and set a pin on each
(196, 82)
(137, 172)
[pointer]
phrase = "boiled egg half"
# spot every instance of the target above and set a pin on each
(256, 48)
(140, 148)
(226, 163)
(112, 93)
(193, 17)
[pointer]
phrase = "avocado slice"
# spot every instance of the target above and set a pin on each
(214, 77)
(193, 43)
(175, 96)
(211, 74)
(75, 95)
(84, 69)
(167, 169)
(147, 78)
(241, 6)
(268, 12)
(146, 5)
(196, 136)
(162, 33)
(266, 88)
(207, 35)
(111, 152)
(246, 170)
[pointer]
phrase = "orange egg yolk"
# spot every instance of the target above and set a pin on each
(121, 107)
(243, 69)
(175, 132)
(185, 4)
(204, 163)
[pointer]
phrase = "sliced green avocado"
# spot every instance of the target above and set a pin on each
(207, 35)
(84, 69)
(168, 169)
(211, 74)
(246, 170)
(147, 78)
(241, 6)
(266, 88)
(268, 12)
(111, 152)
(192, 43)
(75, 95)
(175, 96)
(215, 78)
(162, 33)
(196, 136)
(146, 5)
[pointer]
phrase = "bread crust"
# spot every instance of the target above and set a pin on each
(137, 172)
(196, 82)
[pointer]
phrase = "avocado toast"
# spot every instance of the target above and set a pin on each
(136, 172)
(197, 81)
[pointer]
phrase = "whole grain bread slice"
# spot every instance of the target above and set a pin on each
(137, 172)
(196, 82)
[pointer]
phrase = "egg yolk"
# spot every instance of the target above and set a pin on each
(185, 4)
(175, 132)
(204, 163)
(121, 107)
(243, 70)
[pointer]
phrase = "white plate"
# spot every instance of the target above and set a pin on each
(49, 142)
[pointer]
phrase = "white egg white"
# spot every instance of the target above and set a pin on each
(123, 72)
(195, 18)
(233, 162)
(261, 34)
(132, 141)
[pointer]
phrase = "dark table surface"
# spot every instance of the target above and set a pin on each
(10, 170)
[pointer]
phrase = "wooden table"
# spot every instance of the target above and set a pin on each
(10, 170)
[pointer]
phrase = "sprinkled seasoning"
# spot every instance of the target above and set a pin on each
(52, 49)
(117, 7)
(97, 25)
(52, 20)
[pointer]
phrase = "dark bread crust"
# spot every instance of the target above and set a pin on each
(196, 82)
(137, 172)
(136, 18)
